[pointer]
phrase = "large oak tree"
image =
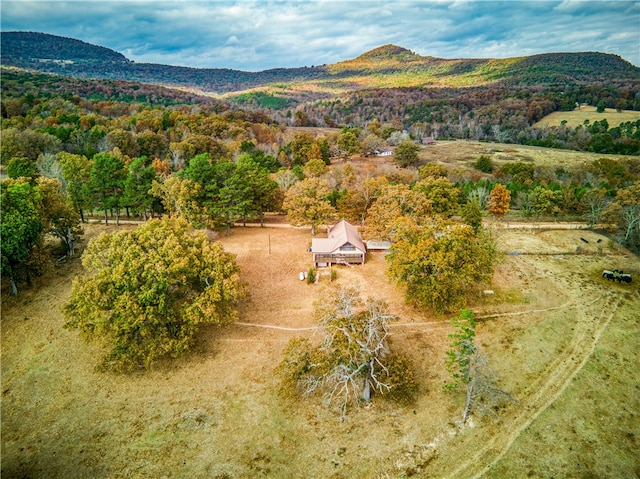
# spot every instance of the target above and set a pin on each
(442, 263)
(148, 291)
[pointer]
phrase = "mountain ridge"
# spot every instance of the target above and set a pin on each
(387, 66)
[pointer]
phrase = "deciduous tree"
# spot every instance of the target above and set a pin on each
(394, 202)
(20, 226)
(355, 204)
(315, 168)
(57, 214)
(148, 291)
(306, 203)
(354, 359)
(349, 143)
(624, 213)
(443, 194)
(179, 196)
(21, 168)
(442, 263)
(545, 202)
(406, 154)
(499, 200)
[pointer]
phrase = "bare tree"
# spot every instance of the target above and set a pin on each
(596, 203)
(352, 361)
(361, 338)
(286, 179)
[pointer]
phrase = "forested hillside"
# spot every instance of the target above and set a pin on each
(41, 47)
(389, 66)
(76, 146)
(480, 99)
(72, 148)
(69, 57)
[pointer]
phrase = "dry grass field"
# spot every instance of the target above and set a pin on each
(563, 340)
(577, 117)
(459, 155)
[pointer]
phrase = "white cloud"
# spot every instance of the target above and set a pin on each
(256, 35)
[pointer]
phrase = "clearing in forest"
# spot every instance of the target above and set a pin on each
(562, 339)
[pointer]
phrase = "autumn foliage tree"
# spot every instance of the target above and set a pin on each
(306, 203)
(394, 202)
(499, 200)
(406, 154)
(440, 262)
(31, 210)
(443, 194)
(148, 291)
(357, 201)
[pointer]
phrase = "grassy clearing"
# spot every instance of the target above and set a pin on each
(217, 413)
(578, 117)
(593, 430)
(459, 156)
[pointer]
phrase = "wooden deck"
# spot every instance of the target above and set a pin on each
(337, 259)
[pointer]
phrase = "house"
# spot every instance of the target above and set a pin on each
(428, 141)
(343, 245)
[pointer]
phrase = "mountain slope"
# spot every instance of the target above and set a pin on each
(388, 66)
(33, 46)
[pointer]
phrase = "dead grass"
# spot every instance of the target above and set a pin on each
(458, 156)
(577, 117)
(217, 413)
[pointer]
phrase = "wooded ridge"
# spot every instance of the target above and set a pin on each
(383, 67)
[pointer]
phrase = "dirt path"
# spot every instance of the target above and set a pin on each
(592, 319)
(591, 322)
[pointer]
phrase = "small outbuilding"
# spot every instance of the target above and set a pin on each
(383, 153)
(343, 245)
(375, 245)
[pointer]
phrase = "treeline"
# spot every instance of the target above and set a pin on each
(220, 167)
(21, 83)
(485, 114)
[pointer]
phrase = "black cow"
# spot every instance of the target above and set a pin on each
(617, 275)
(608, 274)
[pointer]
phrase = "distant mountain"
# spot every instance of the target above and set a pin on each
(388, 66)
(70, 57)
(42, 47)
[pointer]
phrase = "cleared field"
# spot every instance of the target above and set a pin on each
(577, 117)
(562, 339)
(459, 156)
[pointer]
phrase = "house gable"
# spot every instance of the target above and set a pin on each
(343, 245)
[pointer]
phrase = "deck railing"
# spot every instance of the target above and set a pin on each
(339, 258)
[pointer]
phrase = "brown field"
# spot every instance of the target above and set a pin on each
(577, 117)
(459, 156)
(563, 340)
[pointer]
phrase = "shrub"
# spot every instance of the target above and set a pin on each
(484, 164)
(311, 276)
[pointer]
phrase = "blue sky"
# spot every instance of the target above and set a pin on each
(257, 35)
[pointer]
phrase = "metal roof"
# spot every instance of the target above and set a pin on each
(339, 234)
